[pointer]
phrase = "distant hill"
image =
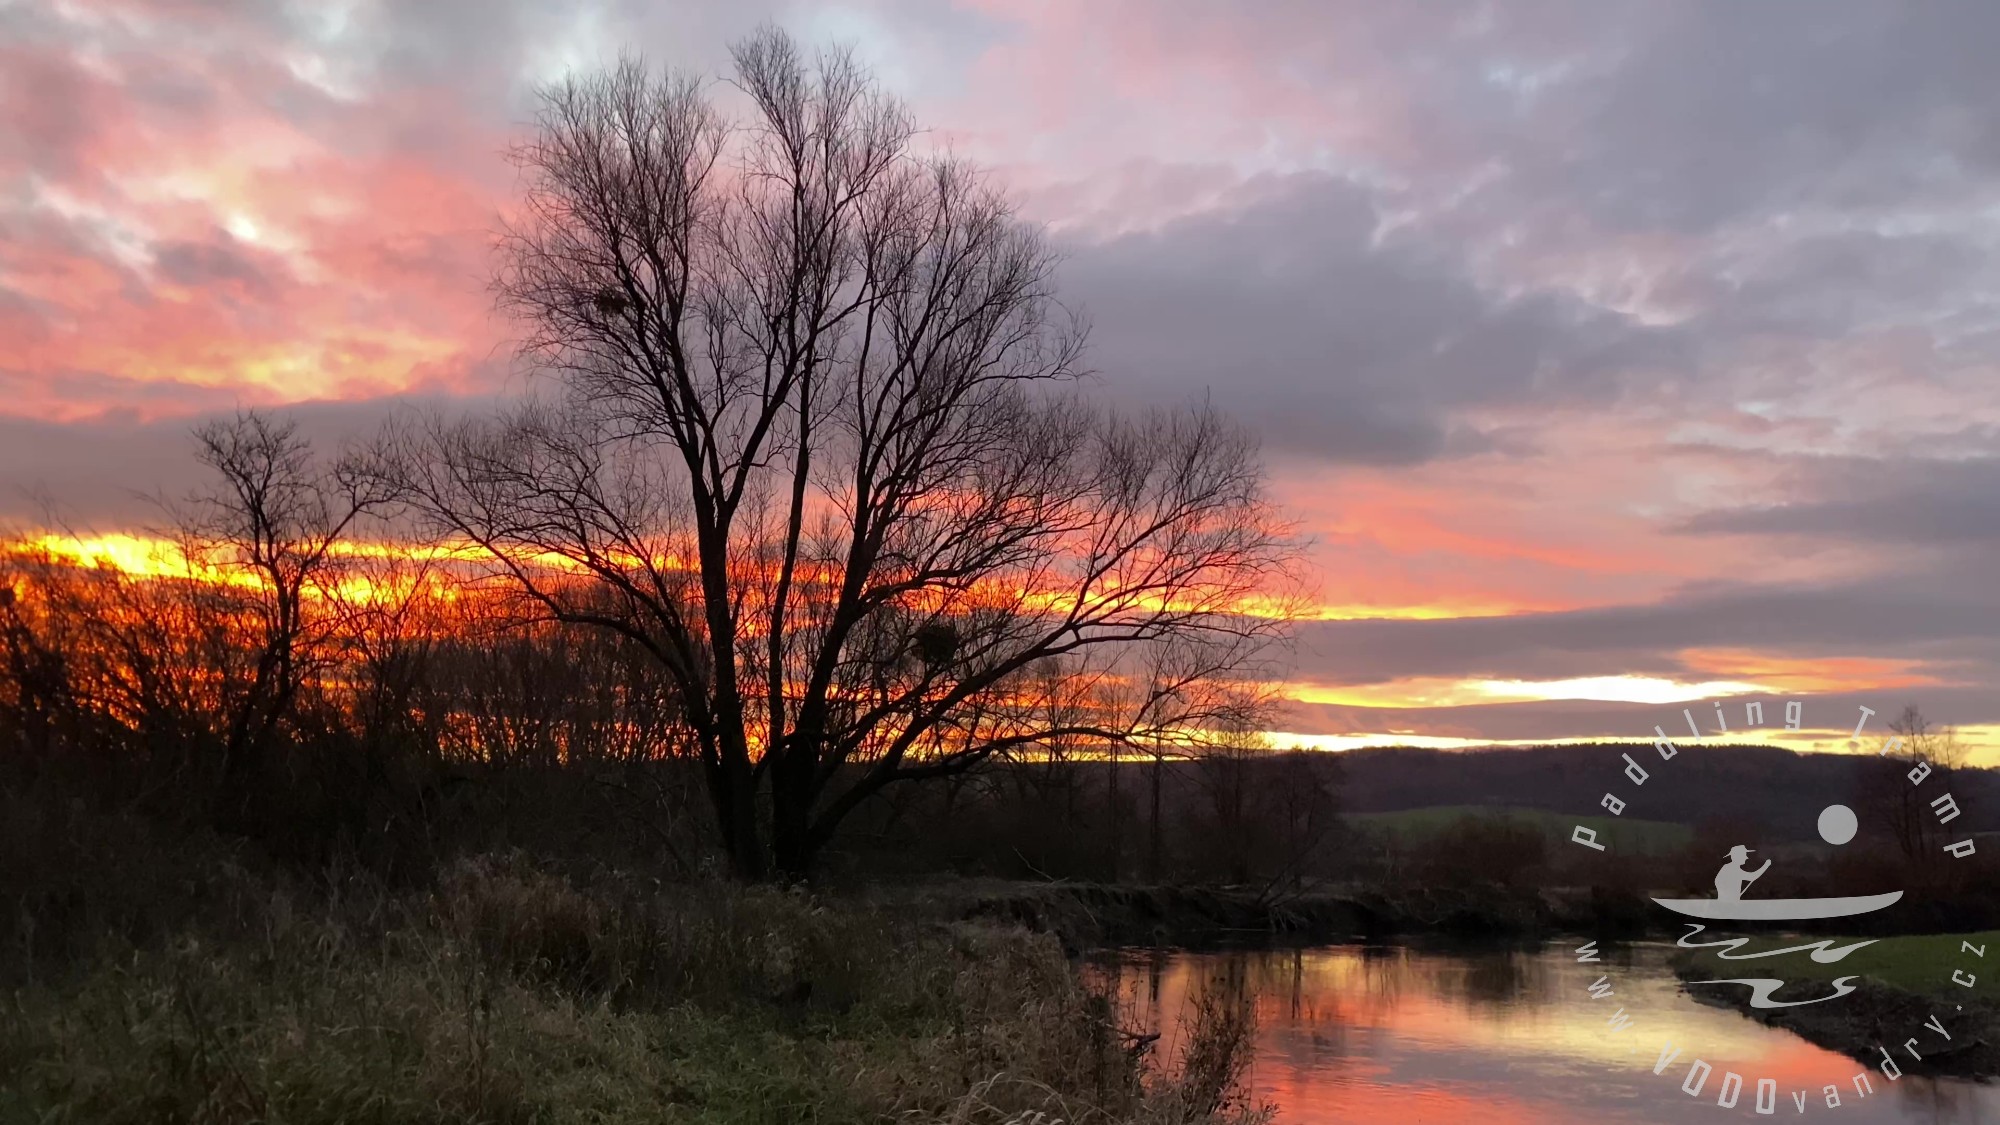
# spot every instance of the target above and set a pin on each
(1625, 835)
(1779, 789)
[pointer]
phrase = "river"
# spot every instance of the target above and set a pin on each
(1395, 1035)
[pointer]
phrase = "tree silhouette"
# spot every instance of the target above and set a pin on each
(813, 442)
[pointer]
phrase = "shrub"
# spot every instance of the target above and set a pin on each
(507, 993)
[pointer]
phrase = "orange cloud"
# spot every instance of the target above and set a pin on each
(1819, 675)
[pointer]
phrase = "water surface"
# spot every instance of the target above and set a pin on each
(1392, 1035)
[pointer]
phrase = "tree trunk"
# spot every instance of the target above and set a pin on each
(734, 798)
(1112, 797)
(792, 837)
(1153, 863)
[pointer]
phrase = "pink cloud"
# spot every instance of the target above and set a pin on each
(249, 233)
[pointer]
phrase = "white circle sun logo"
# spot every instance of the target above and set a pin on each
(1837, 825)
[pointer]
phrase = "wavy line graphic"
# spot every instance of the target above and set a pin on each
(1761, 989)
(1823, 952)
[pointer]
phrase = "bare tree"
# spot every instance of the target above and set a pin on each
(1047, 772)
(1193, 699)
(265, 533)
(1268, 814)
(140, 664)
(1924, 740)
(812, 432)
(1896, 787)
(391, 624)
(1226, 774)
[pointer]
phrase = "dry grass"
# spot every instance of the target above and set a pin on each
(505, 993)
(1215, 1052)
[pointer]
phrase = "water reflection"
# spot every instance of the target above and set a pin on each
(1374, 1035)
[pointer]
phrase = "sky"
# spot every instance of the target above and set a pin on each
(1611, 355)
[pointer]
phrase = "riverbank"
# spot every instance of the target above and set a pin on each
(1088, 915)
(1879, 1014)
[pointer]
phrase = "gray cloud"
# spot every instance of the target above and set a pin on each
(1832, 284)
(99, 475)
(1335, 343)
(1909, 503)
(220, 261)
(1947, 614)
(1639, 114)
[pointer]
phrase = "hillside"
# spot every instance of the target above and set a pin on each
(1778, 789)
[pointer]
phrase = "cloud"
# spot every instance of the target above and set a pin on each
(1714, 112)
(1335, 341)
(1673, 326)
(220, 262)
(1583, 719)
(1915, 504)
(1942, 617)
(100, 474)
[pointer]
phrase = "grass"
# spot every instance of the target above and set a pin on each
(506, 994)
(1624, 835)
(1919, 963)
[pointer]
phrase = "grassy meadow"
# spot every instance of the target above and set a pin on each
(1918, 963)
(157, 981)
(1626, 835)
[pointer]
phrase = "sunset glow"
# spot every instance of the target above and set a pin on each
(1596, 432)
(1045, 561)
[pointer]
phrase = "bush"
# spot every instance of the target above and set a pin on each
(1483, 850)
(506, 992)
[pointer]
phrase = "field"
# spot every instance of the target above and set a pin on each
(1919, 963)
(1628, 836)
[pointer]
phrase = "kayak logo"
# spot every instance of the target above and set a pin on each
(1837, 825)
(1736, 876)
(1737, 899)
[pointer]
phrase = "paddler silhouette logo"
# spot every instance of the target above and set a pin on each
(1837, 826)
(1927, 1023)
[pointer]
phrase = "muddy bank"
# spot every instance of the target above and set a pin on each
(1878, 1017)
(1086, 915)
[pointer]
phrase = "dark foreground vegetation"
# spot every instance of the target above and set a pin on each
(153, 977)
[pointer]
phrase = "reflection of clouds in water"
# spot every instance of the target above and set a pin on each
(1390, 1034)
